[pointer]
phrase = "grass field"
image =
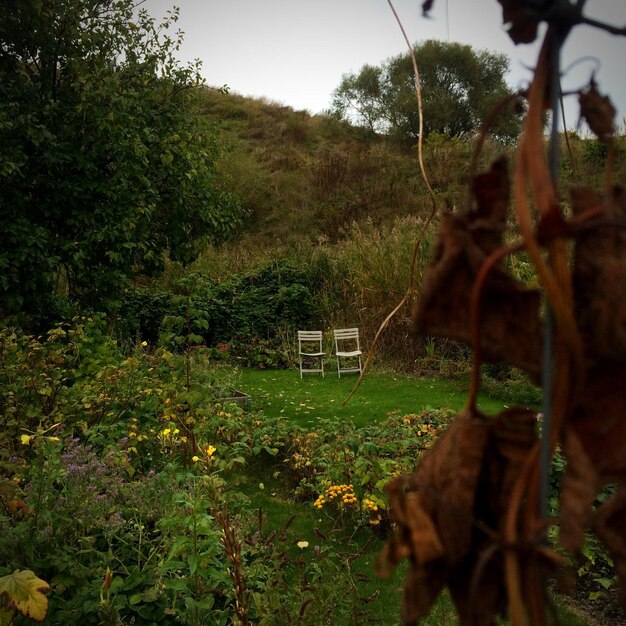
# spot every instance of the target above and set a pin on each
(282, 392)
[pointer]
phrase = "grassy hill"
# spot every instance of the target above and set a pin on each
(303, 177)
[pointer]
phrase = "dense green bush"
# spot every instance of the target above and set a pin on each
(253, 312)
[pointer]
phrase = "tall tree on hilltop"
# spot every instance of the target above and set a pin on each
(459, 86)
(103, 165)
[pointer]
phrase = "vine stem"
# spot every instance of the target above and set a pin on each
(477, 290)
(431, 216)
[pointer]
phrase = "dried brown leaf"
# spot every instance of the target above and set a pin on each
(459, 495)
(492, 194)
(446, 480)
(599, 422)
(512, 434)
(509, 313)
(433, 513)
(416, 536)
(520, 22)
(421, 588)
(598, 111)
(600, 275)
(610, 526)
(477, 588)
(578, 491)
(427, 5)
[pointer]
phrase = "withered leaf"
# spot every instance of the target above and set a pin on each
(512, 434)
(446, 480)
(421, 588)
(433, 512)
(599, 276)
(477, 590)
(477, 585)
(510, 329)
(578, 491)
(433, 507)
(599, 421)
(520, 20)
(609, 524)
(598, 111)
(418, 537)
(458, 495)
(427, 5)
(492, 195)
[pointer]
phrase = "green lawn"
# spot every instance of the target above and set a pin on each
(282, 392)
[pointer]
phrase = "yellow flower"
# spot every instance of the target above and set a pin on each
(302, 544)
(166, 432)
(144, 344)
(195, 459)
(25, 439)
(210, 450)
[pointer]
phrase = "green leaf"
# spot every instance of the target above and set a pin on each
(176, 584)
(192, 561)
(205, 603)
(607, 583)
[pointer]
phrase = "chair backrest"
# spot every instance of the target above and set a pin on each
(342, 334)
(309, 335)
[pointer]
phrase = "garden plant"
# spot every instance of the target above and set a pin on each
(163, 244)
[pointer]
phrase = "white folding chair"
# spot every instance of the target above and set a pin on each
(347, 347)
(310, 350)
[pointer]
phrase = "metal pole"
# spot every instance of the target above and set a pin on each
(548, 342)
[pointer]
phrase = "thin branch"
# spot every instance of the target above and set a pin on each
(429, 220)
(609, 28)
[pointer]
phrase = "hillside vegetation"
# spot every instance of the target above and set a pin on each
(344, 207)
(302, 176)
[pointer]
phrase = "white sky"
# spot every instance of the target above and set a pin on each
(294, 52)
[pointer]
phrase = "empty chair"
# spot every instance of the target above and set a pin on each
(347, 350)
(310, 351)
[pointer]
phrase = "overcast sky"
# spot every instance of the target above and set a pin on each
(294, 52)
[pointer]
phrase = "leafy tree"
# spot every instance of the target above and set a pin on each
(104, 167)
(459, 85)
